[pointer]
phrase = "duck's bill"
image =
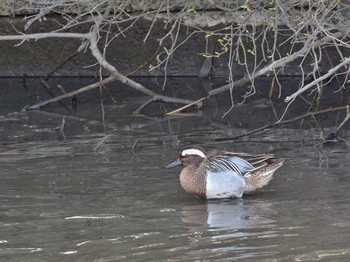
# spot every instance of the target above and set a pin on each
(174, 164)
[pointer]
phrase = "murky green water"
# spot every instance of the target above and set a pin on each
(60, 200)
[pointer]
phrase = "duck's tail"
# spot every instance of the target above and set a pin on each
(262, 175)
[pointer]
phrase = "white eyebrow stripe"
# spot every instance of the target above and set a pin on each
(193, 151)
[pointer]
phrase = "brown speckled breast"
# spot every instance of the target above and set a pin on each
(193, 180)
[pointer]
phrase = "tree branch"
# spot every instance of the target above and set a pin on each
(73, 93)
(124, 79)
(317, 80)
(275, 65)
(26, 37)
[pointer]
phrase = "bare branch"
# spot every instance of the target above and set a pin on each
(73, 93)
(317, 80)
(27, 37)
(288, 121)
(274, 65)
(242, 31)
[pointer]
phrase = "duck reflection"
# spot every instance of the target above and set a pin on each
(225, 215)
(233, 228)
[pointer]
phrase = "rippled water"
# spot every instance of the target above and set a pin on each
(61, 200)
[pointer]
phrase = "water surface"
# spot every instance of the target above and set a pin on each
(62, 200)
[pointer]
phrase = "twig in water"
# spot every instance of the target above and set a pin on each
(61, 127)
(102, 142)
(347, 117)
(288, 121)
(134, 146)
(70, 94)
(333, 136)
(176, 111)
(63, 124)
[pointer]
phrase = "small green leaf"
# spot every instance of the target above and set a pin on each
(207, 35)
(192, 7)
(150, 68)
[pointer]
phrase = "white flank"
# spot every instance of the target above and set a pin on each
(224, 184)
(192, 151)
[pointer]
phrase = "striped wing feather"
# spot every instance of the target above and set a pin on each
(240, 163)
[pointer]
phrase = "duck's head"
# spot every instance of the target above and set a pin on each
(189, 156)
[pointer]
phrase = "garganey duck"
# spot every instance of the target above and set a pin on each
(220, 174)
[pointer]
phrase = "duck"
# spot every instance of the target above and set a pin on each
(219, 174)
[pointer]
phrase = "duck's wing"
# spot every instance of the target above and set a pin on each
(230, 163)
(241, 163)
(225, 176)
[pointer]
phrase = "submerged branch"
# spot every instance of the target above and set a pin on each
(174, 112)
(346, 119)
(71, 94)
(288, 121)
